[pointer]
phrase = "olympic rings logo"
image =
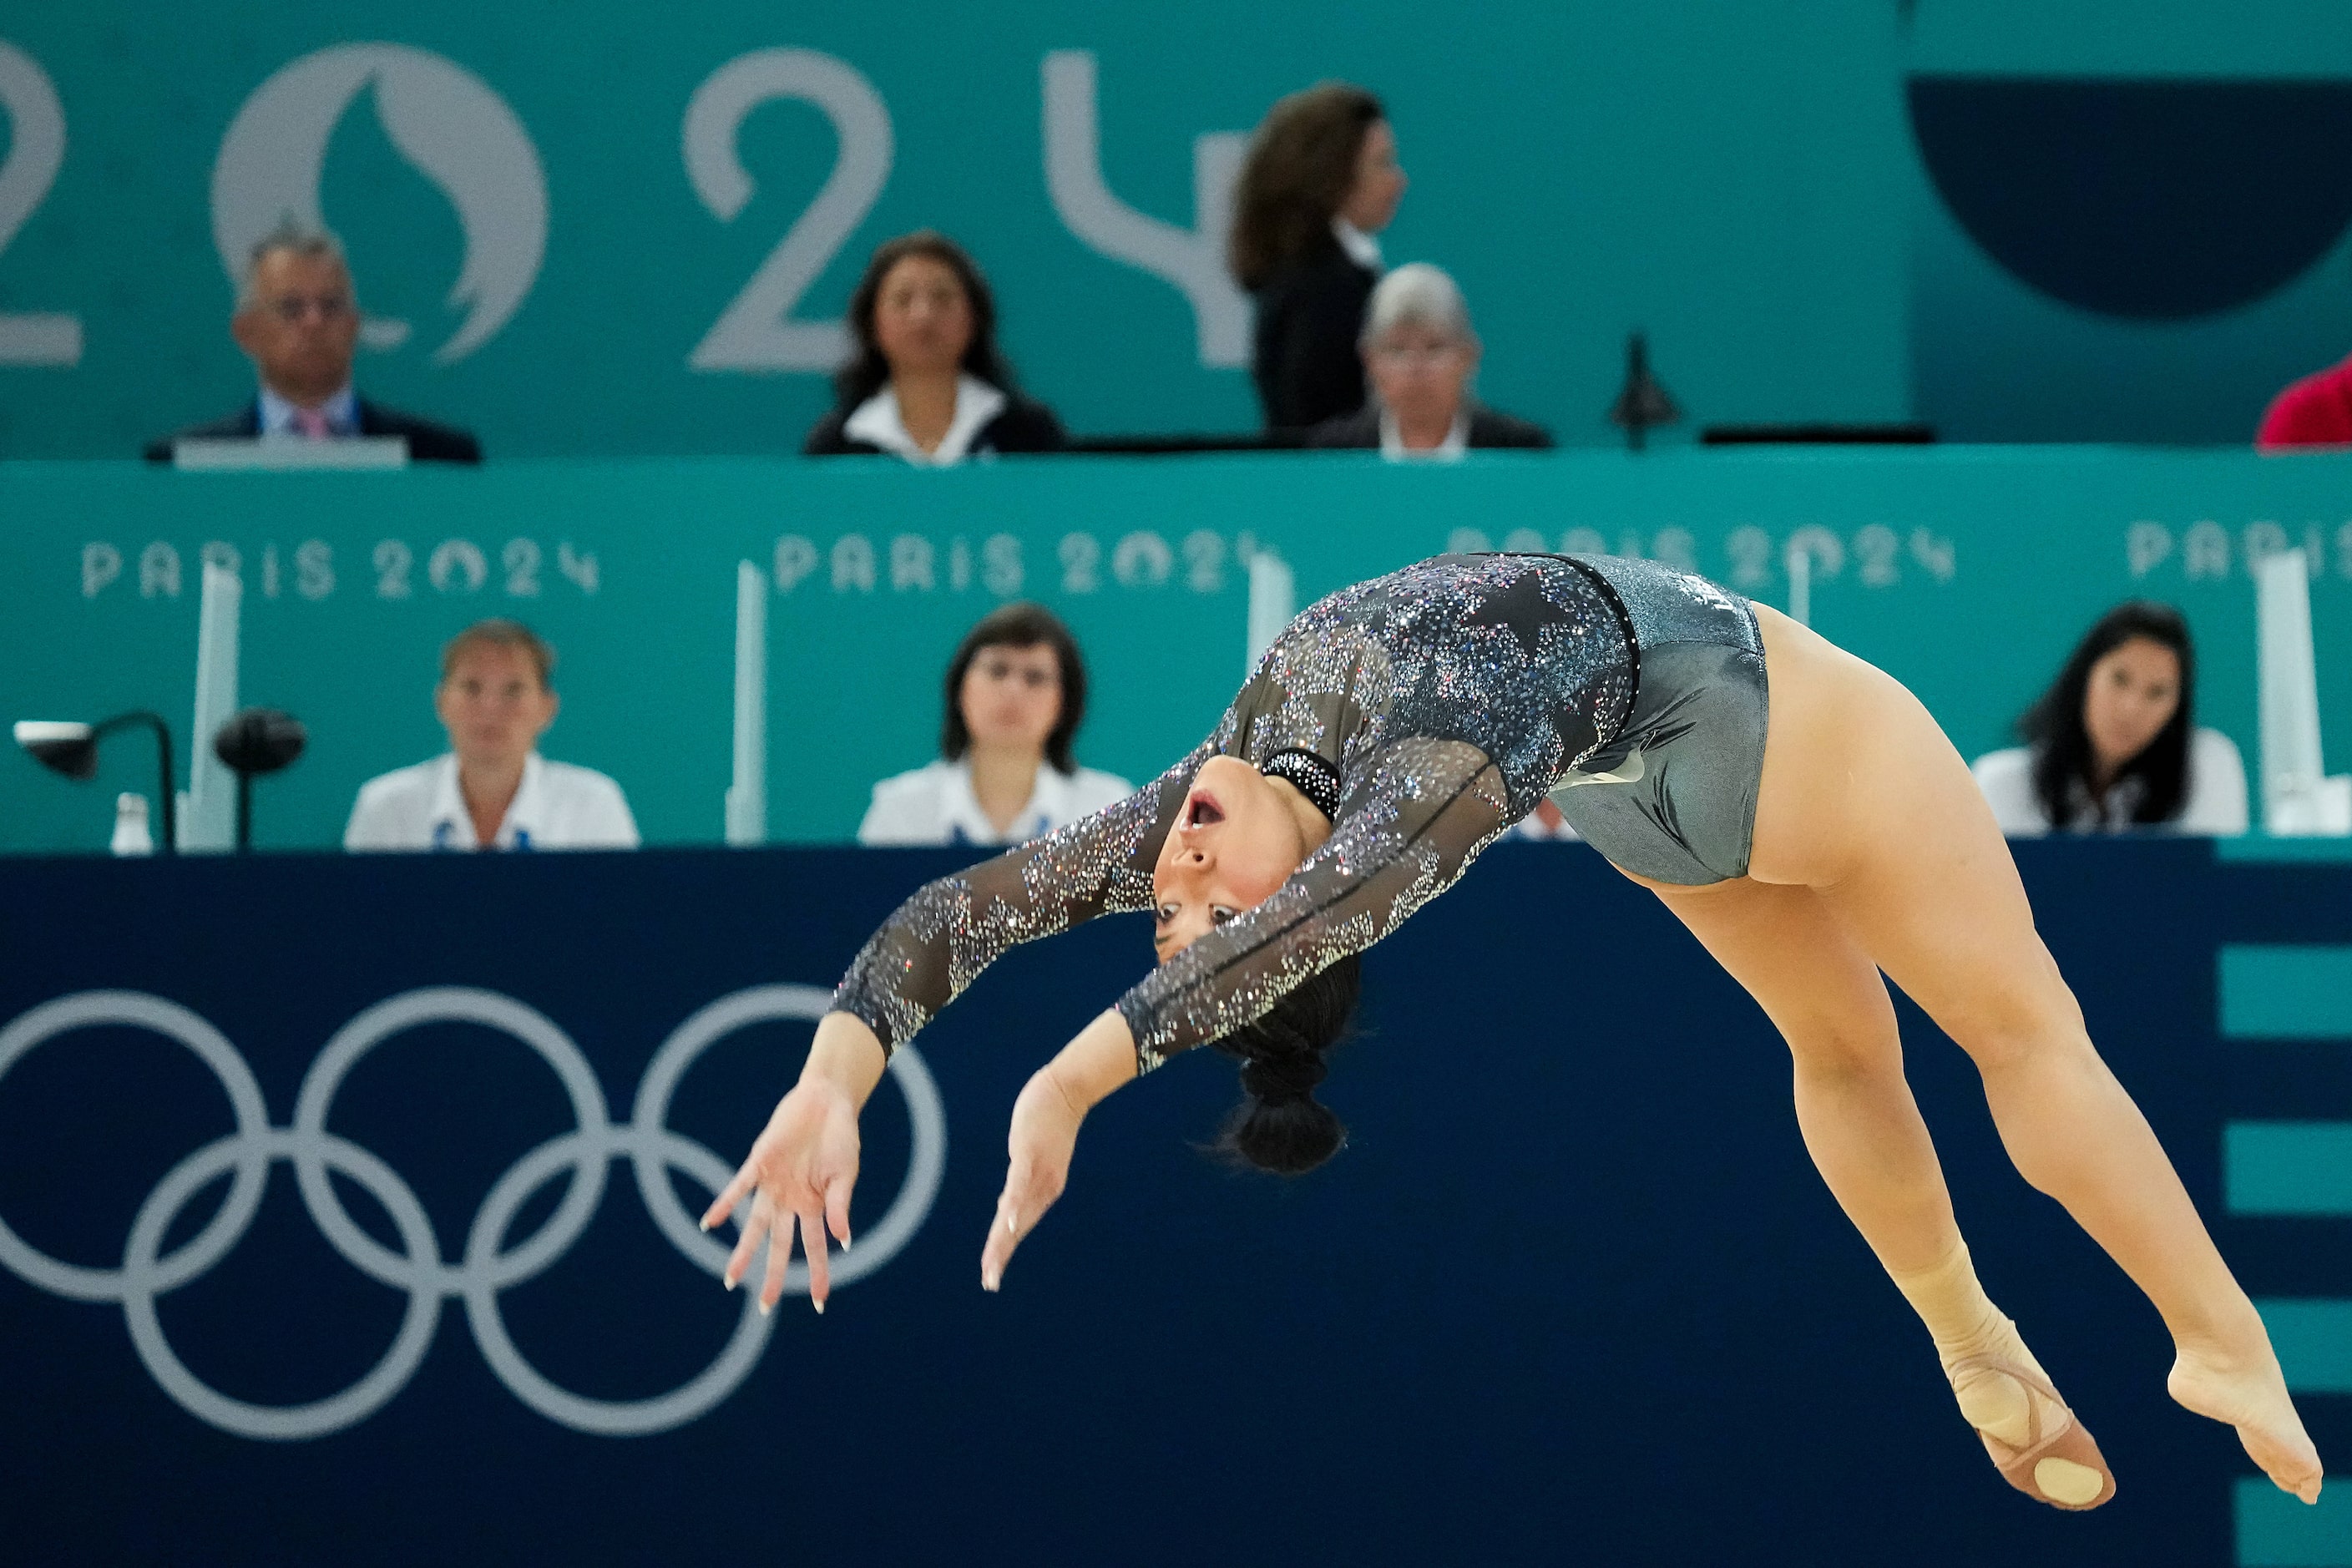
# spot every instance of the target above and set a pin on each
(488, 1265)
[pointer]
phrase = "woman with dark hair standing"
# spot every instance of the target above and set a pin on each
(1321, 180)
(1811, 833)
(925, 380)
(2114, 743)
(1016, 693)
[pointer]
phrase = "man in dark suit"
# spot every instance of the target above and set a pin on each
(297, 321)
(1420, 353)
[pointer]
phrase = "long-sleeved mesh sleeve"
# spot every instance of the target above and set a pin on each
(938, 940)
(1406, 830)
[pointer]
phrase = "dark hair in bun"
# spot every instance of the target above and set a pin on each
(1279, 1125)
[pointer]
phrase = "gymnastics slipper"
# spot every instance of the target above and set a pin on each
(2061, 1465)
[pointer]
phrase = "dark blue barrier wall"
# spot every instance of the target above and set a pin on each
(1572, 1294)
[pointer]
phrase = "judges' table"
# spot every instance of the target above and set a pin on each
(345, 1206)
(1967, 573)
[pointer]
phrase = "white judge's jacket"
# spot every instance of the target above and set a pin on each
(935, 806)
(558, 806)
(2215, 804)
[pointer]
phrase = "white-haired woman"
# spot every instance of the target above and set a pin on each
(1420, 354)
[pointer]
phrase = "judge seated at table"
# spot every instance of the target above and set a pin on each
(492, 790)
(1420, 357)
(924, 381)
(298, 321)
(2113, 745)
(1015, 697)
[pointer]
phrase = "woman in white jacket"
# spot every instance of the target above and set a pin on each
(2114, 743)
(1016, 692)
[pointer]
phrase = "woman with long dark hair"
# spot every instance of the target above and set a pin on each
(1015, 695)
(1811, 833)
(924, 379)
(2114, 743)
(1321, 180)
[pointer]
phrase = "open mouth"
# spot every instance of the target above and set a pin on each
(1201, 809)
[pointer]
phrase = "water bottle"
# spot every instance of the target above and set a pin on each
(131, 836)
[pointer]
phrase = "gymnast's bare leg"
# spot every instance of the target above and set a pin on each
(1873, 851)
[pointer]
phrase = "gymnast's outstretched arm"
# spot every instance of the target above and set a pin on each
(938, 942)
(1409, 826)
(803, 1164)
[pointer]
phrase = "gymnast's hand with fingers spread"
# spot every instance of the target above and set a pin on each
(801, 1169)
(1044, 1132)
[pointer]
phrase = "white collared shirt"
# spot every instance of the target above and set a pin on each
(557, 806)
(277, 414)
(1361, 247)
(1450, 450)
(2216, 804)
(936, 805)
(878, 423)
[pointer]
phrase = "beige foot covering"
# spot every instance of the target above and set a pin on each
(2034, 1438)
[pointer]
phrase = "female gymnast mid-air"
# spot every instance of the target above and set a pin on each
(1811, 842)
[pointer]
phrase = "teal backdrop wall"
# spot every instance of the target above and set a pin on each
(571, 230)
(2125, 232)
(1969, 574)
(1559, 154)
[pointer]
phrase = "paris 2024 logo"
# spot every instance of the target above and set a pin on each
(444, 121)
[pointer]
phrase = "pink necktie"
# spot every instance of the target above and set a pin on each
(312, 423)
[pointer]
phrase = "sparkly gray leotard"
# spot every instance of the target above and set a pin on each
(1426, 712)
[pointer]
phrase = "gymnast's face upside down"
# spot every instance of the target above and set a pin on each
(1239, 836)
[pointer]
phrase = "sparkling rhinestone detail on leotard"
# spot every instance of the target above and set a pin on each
(1445, 700)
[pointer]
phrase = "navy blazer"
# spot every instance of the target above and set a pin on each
(427, 442)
